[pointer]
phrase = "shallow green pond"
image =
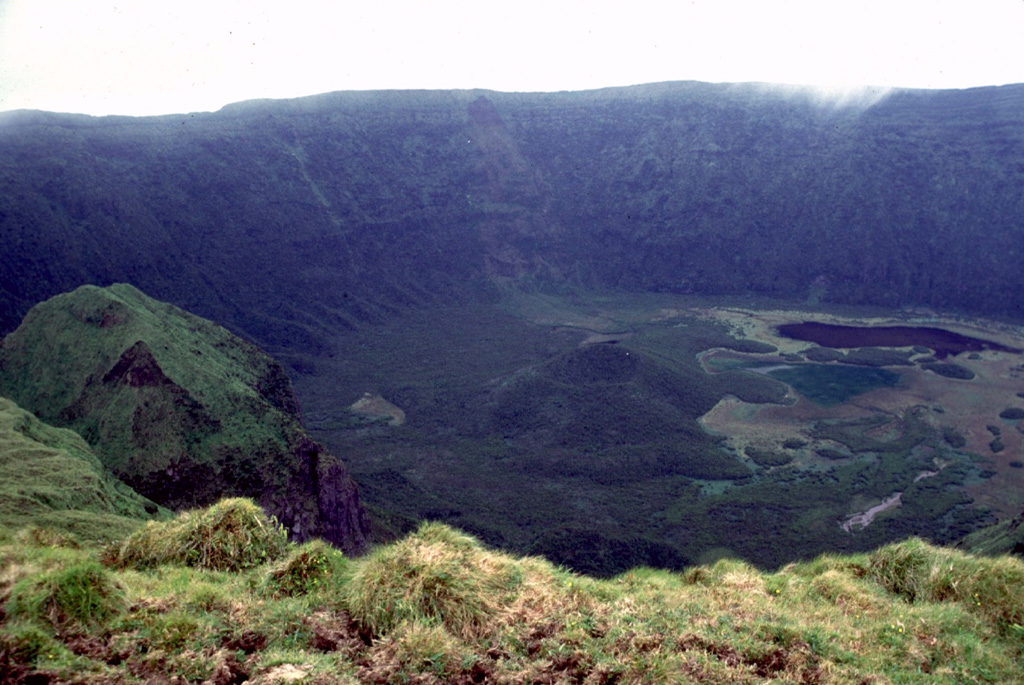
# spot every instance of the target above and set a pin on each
(831, 384)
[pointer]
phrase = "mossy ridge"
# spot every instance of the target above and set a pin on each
(438, 607)
(1003, 537)
(51, 478)
(178, 408)
(69, 342)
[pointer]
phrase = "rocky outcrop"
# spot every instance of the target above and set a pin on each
(178, 408)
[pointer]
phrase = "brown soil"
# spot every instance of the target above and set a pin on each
(376, 407)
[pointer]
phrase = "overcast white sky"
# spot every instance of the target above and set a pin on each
(148, 57)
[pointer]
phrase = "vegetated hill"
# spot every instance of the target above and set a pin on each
(178, 408)
(49, 477)
(1004, 537)
(439, 607)
(292, 219)
(615, 415)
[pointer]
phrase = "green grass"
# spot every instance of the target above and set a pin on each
(78, 598)
(50, 477)
(232, 535)
(437, 606)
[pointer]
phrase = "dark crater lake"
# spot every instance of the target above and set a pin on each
(943, 342)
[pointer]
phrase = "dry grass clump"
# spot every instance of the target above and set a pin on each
(416, 652)
(232, 535)
(437, 574)
(848, 594)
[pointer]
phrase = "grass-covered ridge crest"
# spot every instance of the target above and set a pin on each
(437, 606)
(178, 408)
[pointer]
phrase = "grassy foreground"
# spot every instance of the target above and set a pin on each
(217, 595)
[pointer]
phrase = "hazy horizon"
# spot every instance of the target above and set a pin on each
(137, 58)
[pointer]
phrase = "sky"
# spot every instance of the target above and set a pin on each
(145, 57)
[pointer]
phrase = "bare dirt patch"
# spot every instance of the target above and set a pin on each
(376, 407)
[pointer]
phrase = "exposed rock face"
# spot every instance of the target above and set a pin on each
(178, 408)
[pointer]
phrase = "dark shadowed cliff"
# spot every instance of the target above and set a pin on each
(288, 220)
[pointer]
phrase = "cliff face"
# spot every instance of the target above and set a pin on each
(291, 220)
(178, 408)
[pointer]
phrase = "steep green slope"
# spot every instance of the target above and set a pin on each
(290, 220)
(49, 477)
(1005, 537)
(178, 408)
(438, 607)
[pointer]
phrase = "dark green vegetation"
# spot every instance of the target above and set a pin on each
(767, 458)
(1005, 537)
(592, 455)
(823, 354)
(949, 370)
(177, 407)
(878, 357)
(291, 220)
(439, 607)
(50, 477)
(1012, 414)
(523, 434)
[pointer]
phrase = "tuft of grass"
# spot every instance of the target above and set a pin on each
(990, 586)
(74, 599)
(417, 650)
(437, 574)
(232, 535)
(306, 569)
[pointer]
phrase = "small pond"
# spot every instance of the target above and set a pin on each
(943, 342)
